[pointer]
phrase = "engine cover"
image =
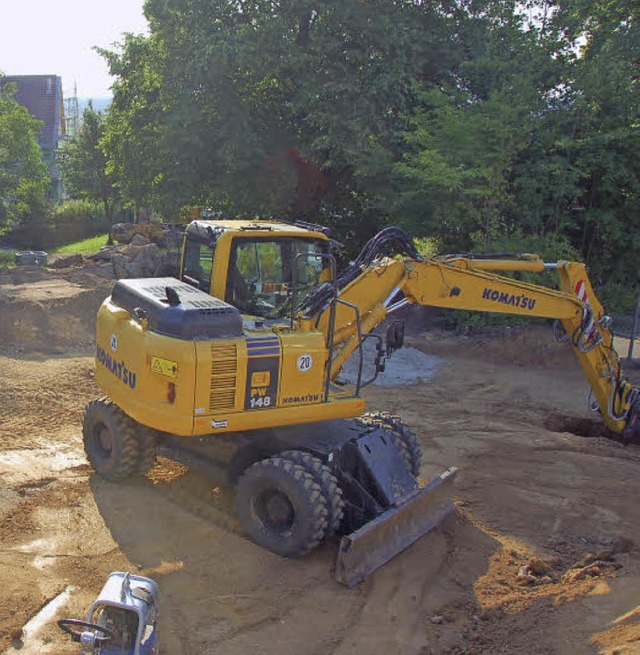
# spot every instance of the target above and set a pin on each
(176, 309)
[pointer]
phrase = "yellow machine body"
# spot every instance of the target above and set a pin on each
(190, 388)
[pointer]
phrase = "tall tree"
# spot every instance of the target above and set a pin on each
(24, 177)
(84, 165)
(286, 107)
(465, 119)
(581, 175)
(133, 137)
(455, 175)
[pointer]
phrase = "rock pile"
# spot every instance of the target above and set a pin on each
(140, 258)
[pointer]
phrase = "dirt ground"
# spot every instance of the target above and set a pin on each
(542, 557)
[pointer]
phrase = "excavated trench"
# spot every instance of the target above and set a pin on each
(590, 428)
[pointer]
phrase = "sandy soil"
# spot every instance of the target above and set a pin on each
(535, 499)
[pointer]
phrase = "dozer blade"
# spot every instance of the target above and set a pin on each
(376, 542)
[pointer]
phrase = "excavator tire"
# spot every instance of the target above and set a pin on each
(146, 448)
(110, 441)
(327, 482)
(281, 507)
(404, 438)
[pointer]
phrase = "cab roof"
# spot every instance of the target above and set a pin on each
(266, 226)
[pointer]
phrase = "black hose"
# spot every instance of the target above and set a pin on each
(389, 242)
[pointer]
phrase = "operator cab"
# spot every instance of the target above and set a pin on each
(256, 267)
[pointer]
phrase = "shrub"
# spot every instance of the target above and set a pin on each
(75, 220)
(7, 257)
(33, 233)
(618, 298)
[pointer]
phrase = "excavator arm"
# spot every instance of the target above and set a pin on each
(479, 284)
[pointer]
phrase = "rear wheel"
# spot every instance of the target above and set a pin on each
(327, 482)
(147, 440)
(110, 442)
(281, 507)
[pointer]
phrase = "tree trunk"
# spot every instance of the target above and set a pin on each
(108, 210)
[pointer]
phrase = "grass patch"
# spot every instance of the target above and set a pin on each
(84, 247)
(7, 257)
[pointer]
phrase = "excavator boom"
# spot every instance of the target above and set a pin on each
(477, 283)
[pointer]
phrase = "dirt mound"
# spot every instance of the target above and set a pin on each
(49, 312)
(533, 346)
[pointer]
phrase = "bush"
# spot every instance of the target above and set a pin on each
(32, 234)
(75, 220)
(71, 221)
(7, 257)
(618, 298)
(426, 246)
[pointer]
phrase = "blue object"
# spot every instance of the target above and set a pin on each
(121, 621)
(127, 606)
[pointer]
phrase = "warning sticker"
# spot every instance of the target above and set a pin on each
(164, 367)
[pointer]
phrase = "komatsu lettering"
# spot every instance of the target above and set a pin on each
(118, 368)
(308, 398)
(507, 298)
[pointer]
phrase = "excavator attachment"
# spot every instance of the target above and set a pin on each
(382, 538)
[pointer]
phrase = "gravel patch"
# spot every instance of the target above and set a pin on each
(406, 366)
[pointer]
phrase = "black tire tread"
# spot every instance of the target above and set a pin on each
(124, 429)
(147, 449)
(315, 497)
(404, 438)
(326, 480)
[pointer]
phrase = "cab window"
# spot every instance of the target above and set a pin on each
(261, 273)
(197, 264)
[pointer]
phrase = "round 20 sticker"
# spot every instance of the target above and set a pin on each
(305, 362)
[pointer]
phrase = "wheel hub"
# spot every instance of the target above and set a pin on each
(276, 511)
(104, 438)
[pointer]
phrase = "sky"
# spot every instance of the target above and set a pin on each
(44, 37)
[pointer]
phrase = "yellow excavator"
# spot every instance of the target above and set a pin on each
(232, 369)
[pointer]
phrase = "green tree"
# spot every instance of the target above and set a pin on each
(464, 119)
(454, 179)
(24, 178)
(581, 174)
(133, 126)
(84, 165)
(287, 108)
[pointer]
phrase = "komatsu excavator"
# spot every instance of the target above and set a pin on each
(233, 370)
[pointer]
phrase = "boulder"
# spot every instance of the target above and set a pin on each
(65, 261)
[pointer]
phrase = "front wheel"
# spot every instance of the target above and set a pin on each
(327, 482)
(110, 442)
(281, 507)
(405, 439)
